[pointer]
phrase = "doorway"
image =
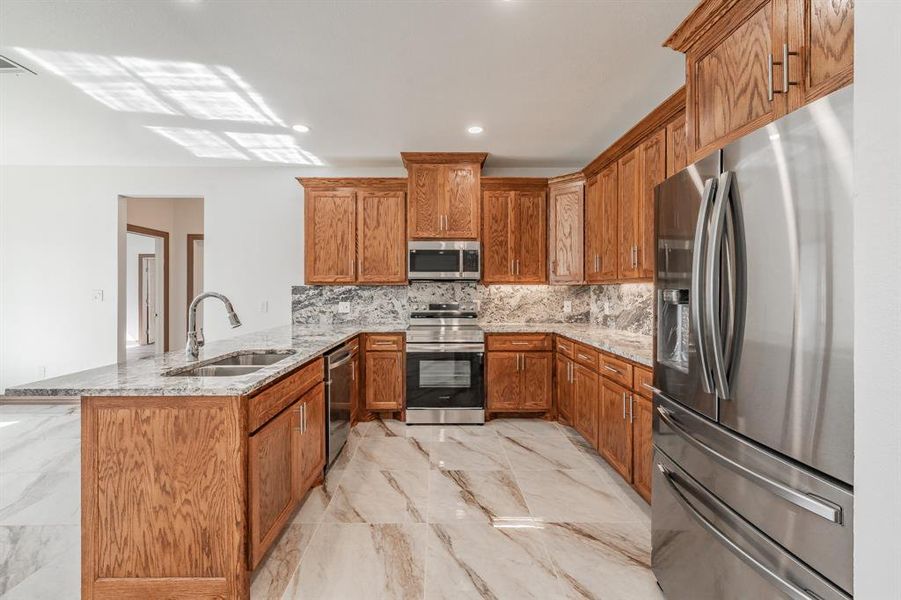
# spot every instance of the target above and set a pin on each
(147, 323)
(194, 272)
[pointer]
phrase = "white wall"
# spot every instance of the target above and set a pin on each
(877, 298)
(135, 245)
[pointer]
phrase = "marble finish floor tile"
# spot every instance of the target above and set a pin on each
(271, 577)
(602, 560)
(468, 454)
(478, 560)
(541, 453)
(524, 427)
(362, 561)
(372, 496)
(40, 498)
(34, 454)
(391, 454)
(27, 550)
(393, 428)
(475, 496)
(313, 507)
(573, 495)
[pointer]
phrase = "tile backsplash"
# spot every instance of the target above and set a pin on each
(626, 307)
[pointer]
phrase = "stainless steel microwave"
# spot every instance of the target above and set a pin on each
(448, 260)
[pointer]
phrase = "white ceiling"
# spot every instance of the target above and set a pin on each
(552, 82)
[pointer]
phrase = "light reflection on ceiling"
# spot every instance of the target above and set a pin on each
(180, 89)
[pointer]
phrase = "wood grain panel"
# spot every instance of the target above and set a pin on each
(642, 446)
(676, 145)
(330, 236)
(272, 400)
(382, 247)
(565, 346)
(518, 342)
(312, 441)
(563, 389)
(602, 244)
(530, 226)
(653, 167)
(615, 428)
(439, 158)
(513, 184)
(643, 382)
(728, 89)
(426, 197)
(566, 227)
(629, 179)
(616, 369)
(384, 380)
(585, 401)
(537, 375)
(586, 356)
(822, 31)
(497, 237)
(461, 201)
(503, 384)
(163, 496)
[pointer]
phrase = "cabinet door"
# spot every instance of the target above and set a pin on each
(274, 458)
(503, 381)
(537, 373)
(564, 390)
(382, 239)
(627, 213)
(566, 234)
(616, 428)
(530, 227)
(676, 146)
(461, 201)
(642, 445)
(728, 81)
(601, 201)
(653, 167)
(585, 399)
(425, 211)
(822, 33)
(384, 380)
(498, 252)
(312, 459)
(330, 232)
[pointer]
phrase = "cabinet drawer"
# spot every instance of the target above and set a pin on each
(566, 347)
(616, 370)
(644, 382)
(377, 342)
(274, 399)
(586, 356)
(520, 342)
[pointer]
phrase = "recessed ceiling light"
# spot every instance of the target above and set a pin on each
(475, 129)
(301, 128)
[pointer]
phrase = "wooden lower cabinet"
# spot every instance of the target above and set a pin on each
(585, 402)
(642, 445)
(564, 389)
(312, 442)
(384, 372)
(519, 381)
(615, 428)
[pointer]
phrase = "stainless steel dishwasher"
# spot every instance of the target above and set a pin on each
(340, 372)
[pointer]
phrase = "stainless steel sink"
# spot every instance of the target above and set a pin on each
(234, 365)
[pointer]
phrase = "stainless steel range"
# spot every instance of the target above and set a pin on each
(445, 365)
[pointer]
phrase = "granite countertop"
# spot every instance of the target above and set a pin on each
(633, 346)
(144, 376)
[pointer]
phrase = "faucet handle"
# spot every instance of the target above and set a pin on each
(200, 340)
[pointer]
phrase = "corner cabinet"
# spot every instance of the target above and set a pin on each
(601, 213)
(566, 222)
(749, 63)
(514, 231)
(444, 194)
(355, 230)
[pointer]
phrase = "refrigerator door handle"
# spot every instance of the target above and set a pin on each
(821, 508)
(783, 585)
(712, 284)
(697, 284)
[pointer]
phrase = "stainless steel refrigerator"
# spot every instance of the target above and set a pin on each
(753, 413)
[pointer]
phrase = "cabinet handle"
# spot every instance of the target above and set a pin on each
(299, 428)
(584, 356)
(383, 343)
(597, 263)
(631, 402)
(612, 369)
(353, 371)
(517, 266)
(786, 82)
(520, 343)
(769, 77)
(572, 373)
(634, 256)
(624, 406)
(512, 262)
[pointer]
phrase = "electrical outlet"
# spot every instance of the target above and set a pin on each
(567, 306)
(97, 295)
(344, 307)
(264, 306)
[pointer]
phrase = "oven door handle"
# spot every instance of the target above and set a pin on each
(419, 348)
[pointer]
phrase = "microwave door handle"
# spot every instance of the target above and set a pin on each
(712, 285)
(696, 296)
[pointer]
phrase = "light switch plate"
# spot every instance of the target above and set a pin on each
(97, 295)
(344, 307)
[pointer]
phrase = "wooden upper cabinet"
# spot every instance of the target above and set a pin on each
(676, 145)
(653, 172)
(629, 198)
(566, 228)
(821, 32)
(444, 194)
(601, 241)
(530, 223)
(498, 237)
(748, 63)
(330, 236)
(381, 222)
(514, 230)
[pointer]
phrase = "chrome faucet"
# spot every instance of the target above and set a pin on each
(195, 338)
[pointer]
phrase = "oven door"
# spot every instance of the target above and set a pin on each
(445, 376)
